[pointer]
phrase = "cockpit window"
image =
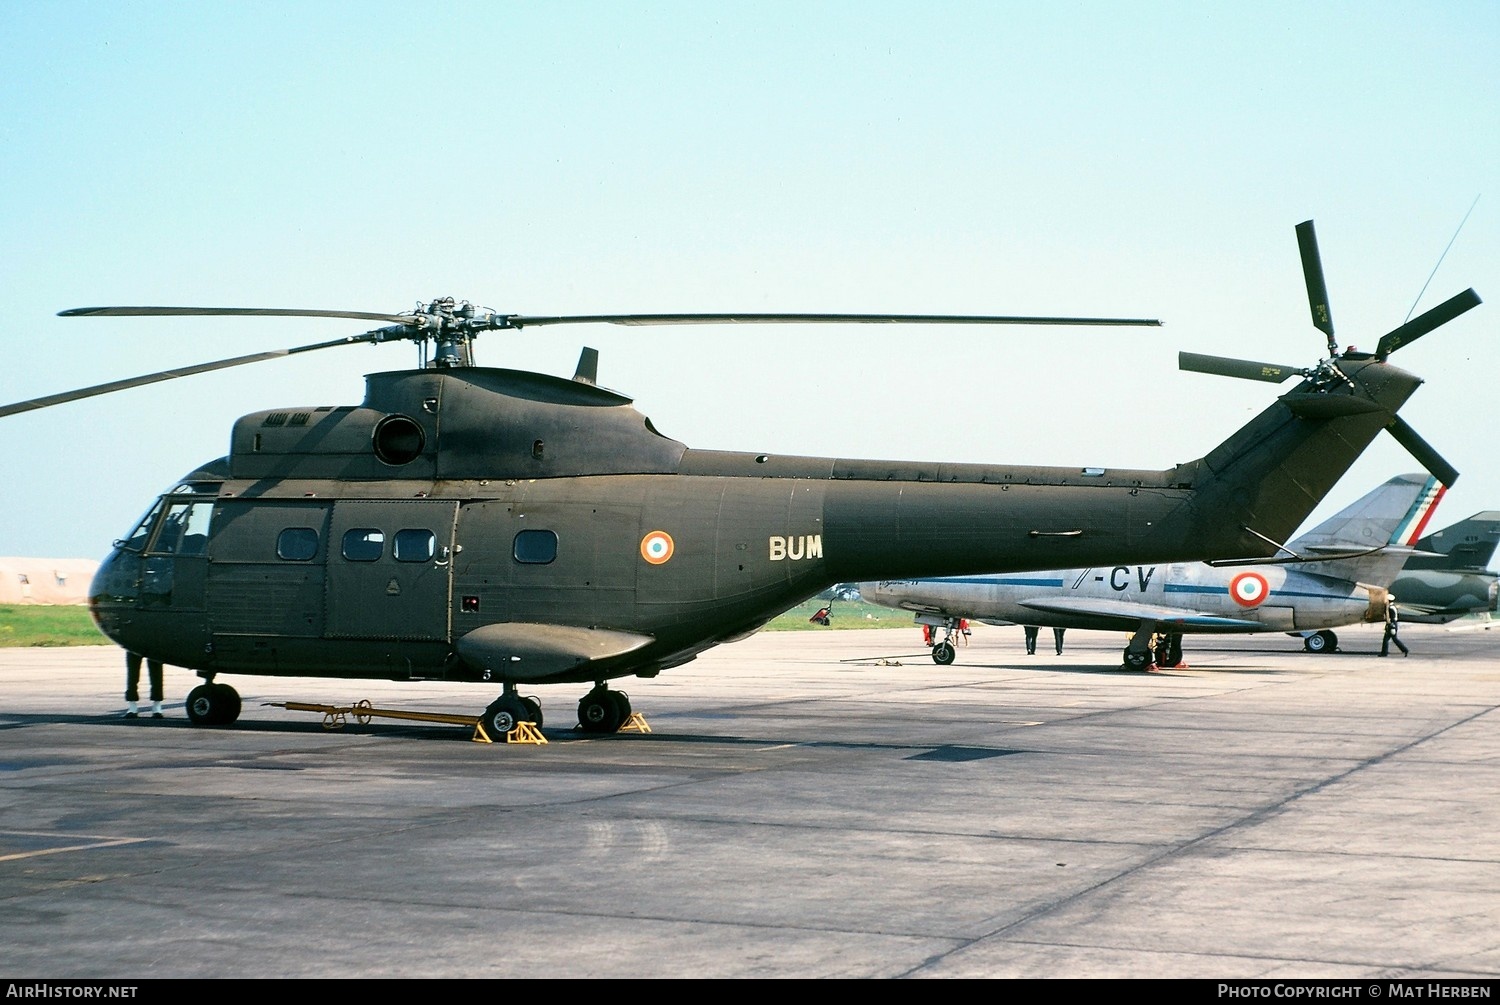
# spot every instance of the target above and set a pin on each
(184, 530)
(136, 539)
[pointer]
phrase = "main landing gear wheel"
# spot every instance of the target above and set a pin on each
(504, 713)
(1169, 651)
(1135, 660)
(213, 705)
(603, 711)
(1321, 642)
(943, 653)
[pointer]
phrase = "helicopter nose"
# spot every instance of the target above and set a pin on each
(115, 593)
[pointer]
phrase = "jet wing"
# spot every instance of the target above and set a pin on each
(525, 652)
(1127, 616)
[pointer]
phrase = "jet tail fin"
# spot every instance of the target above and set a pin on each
(1371, 539)
(1468, 544)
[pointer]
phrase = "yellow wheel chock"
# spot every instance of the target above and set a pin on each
(635, 724)
(337, 716)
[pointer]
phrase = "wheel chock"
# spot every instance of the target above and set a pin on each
(635, 724)
(525, 732)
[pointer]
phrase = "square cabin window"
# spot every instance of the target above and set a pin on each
(297, 544)
(363, 544)
(535, 547)
(414, 545)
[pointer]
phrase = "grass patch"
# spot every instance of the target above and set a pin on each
(48, 625)
(71, 625)
(846, 614)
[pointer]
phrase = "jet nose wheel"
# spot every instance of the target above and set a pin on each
(943, 653)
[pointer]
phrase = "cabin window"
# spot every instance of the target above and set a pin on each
(414, 545)
(297, 544)
(363, 544)
(535, 547)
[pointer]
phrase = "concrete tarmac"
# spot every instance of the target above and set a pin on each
(818, 804)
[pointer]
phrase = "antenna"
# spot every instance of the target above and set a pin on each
(1441, 257)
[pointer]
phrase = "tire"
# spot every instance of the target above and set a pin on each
(230, 710)
(533, 711)
(213, 705)
(943, 654)
(1321, 642)
(502, 715)
(599, 712)
(1136, 660)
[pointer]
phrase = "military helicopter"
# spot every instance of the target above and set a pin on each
(511, 528)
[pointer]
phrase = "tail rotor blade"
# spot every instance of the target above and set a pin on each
(1422, 451)
(1271, 373)
(1317, 289)
(1424, 323)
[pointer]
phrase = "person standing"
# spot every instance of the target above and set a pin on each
(1392, 632)
(133, 683)
(1031, 632)
(1057, 634)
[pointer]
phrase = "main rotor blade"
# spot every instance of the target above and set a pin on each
(1272, 373)
(1424, 323)
(288, 312)
(152, 378)
(521, 321)
(1422, 451)
(1317, 289)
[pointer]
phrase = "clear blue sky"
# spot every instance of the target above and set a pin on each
(1142, 160)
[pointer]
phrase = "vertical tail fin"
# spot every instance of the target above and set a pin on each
(1385, 523)
(1468, 544)
(1393, 514)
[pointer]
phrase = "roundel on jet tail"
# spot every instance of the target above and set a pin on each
(656, 547)
(1249, 589)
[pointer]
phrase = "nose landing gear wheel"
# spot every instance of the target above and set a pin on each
(213, 705)
(943, 653)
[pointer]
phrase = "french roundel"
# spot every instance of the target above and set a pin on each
(656, 547)
(1249, 589)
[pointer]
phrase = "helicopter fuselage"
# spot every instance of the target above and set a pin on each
(482, 524)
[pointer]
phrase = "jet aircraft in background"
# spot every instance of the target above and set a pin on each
(1449, 576)
(1335, 575)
